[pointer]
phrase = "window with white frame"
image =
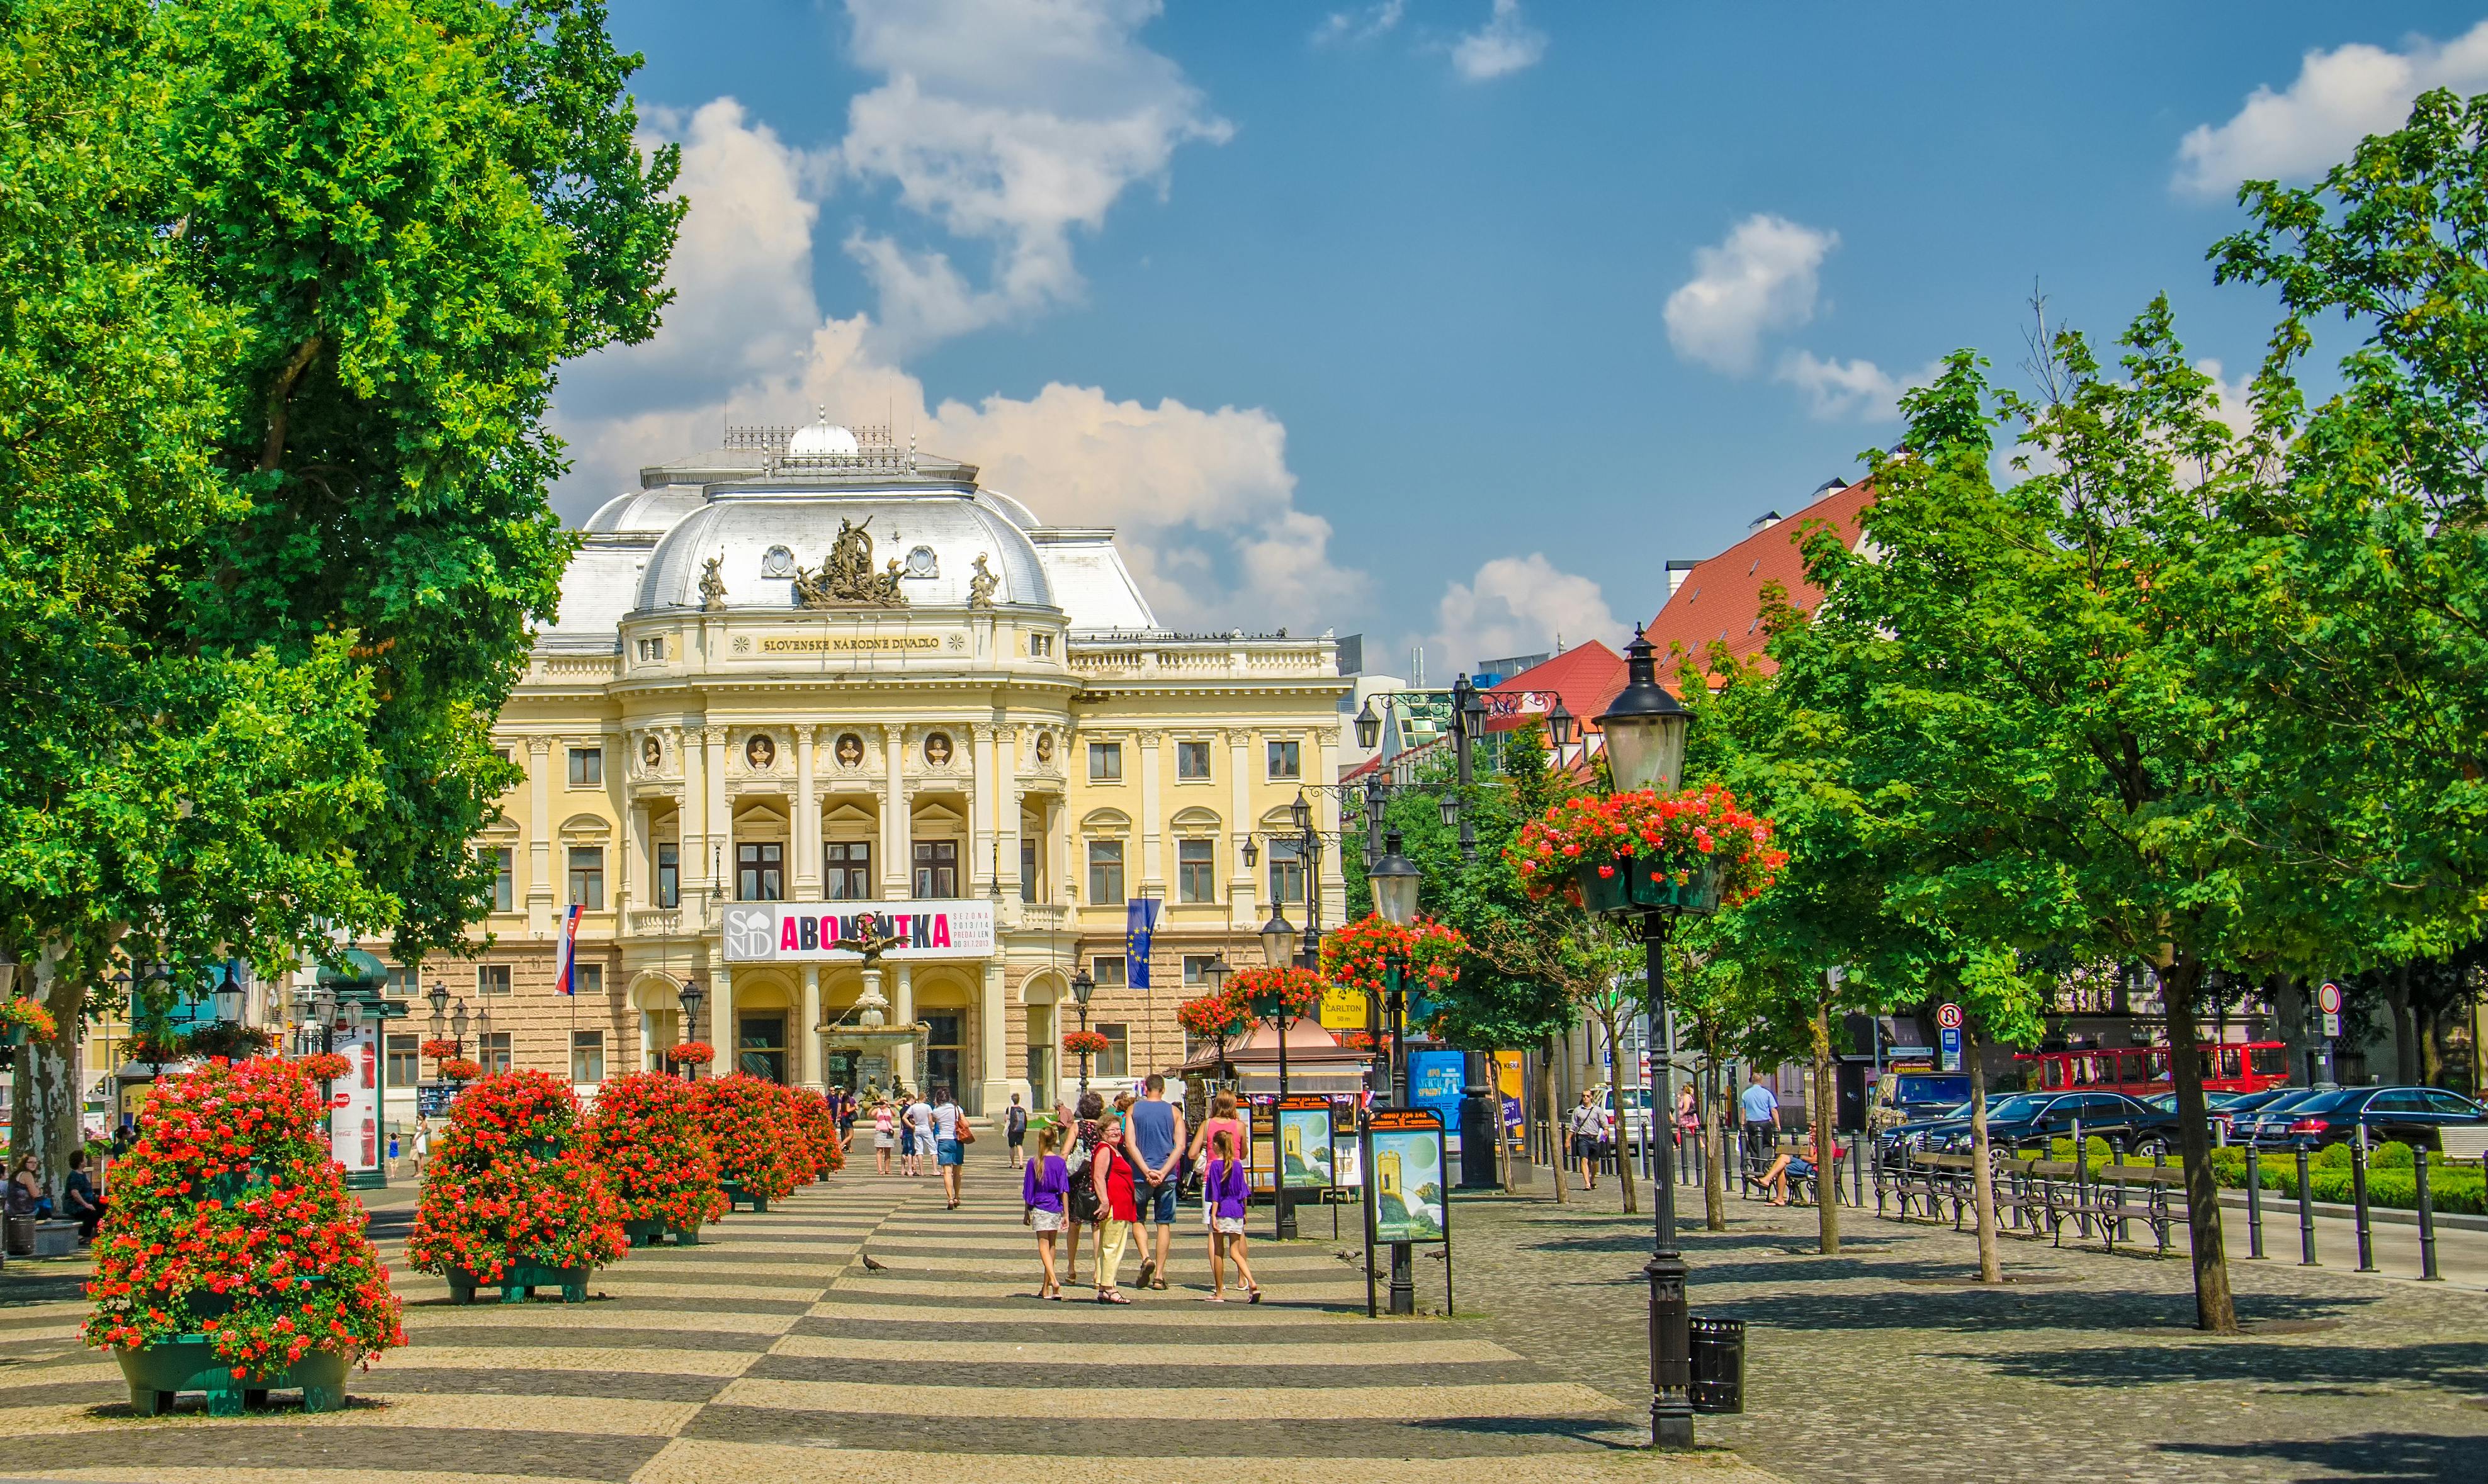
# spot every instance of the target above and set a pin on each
(1196, 871)
(1105, 873)
(1286, 759)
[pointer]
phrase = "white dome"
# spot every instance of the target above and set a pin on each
(823, 440)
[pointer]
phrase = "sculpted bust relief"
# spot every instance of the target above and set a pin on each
(937, 749)
(850, 751)
(652, 753)
(760, 752)
(1045, 747)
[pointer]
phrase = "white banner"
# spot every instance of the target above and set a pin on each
(355, 1100)
(814, 932)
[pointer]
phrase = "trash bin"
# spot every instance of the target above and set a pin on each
(21, 1240)
(1718, 1365)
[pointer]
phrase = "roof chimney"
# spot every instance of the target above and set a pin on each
(1764, 521)
(1677, 573)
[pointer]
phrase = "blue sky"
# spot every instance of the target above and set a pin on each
(1449, 321)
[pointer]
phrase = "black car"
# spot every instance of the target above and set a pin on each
(2407, 1116)
(1892, 1144)
(2031, 1117)
(2269, 1124)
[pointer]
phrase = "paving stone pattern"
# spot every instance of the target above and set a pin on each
(1880, 1364)
(773, 1353)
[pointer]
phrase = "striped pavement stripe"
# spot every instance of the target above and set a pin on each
(770, 1351)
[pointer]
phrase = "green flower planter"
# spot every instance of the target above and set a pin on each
(736, 1200)
(159, 1373)
(648, 1234)
(1630, 889)
(520, 1281)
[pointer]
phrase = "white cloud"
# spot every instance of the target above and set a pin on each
(1845, 391)
(1009, 122)
(1203, 497)
(2340, 97)
(1359, 23)
(1763, 277)
(2236, 406)
(1506, 43)
(1519, 605)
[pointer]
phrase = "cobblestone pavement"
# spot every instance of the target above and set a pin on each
(774, 1353)
(1879, 1365)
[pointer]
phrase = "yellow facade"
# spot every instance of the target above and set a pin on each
(960, 703)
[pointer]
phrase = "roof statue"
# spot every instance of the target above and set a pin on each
(981, 584)
(846, 579)
(712, 589)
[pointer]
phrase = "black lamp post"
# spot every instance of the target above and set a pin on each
(1278, 946)
(692, 997)
(1396, 881)
(1213, 980)
(458, 1029)
(1083, 985)
(229, 996)
(1645, 740)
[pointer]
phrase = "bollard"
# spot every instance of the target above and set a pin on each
(1857, 1170)
(2116, 1159)
(2082, 1199)
(2306, 1212)
(2359, 1199)
(2255, 1203)
(2427, 1273)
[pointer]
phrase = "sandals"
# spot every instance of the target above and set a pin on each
(1159, 1282)
(1253, 1295)
(1112, 1296)
(1148, 1268)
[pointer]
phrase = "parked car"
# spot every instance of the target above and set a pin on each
(2410, 1115)
(2027, 1118)
(2273, 1118)
(2231, 1116)
(2214, 1103)
(1913, 1095)
(1634, 1125)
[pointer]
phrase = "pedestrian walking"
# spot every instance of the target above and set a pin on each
(1015, 1129)
(1154, 1144)
(1118, 1204)
(1225, 1191)
(1222, 1116)
(1585, 1123)
(1761, 1112)
(951, 1138)
(422, 1145)
(885, 1136)
(843, 1108)
(920, 1135)
(1083, 1205)
(1045, 1191)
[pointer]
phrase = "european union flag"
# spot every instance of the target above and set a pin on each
(1139, 921)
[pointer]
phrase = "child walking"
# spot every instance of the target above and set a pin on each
(1043, 1189)
(1224, 1192)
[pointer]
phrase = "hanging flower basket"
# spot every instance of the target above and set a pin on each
(511, 1197)
(1214, 1017)
(231, 1260)
(458, 1069)
(1091, 1041)
(1299, 990)
(1360, 955)
(441, 1051)
(23, 1019)
(324, 1066)
(1693, 851)
(653, 1151)
(691, 1053)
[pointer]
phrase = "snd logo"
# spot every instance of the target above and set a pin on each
(751, 932)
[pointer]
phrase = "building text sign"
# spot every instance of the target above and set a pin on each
(821, 932)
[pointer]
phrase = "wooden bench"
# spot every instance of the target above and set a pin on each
(2107, 1195)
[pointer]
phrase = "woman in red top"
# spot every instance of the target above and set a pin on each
(1120, 1208)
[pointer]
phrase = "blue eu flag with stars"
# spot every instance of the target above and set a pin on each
(1140, 920)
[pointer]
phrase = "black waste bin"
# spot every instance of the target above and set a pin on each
(1718, 1365)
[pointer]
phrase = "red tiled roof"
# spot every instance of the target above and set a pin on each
(1720, 600)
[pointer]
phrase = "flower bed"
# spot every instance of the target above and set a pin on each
(510, 1185)
(1359, 956)
(230, 1226)
(1697, 850)
(749, 1126)
(819, 1129)
(652, 1148)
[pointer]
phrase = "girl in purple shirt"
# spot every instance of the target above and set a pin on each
(1042, 1190)
(1224, 1192)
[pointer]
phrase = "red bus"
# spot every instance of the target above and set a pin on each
(2228, 1066)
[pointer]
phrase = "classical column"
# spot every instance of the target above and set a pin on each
(539, 861)
(895, 826)
(1006, 805)
(984, 826)
(690, 828)
(1243, 887)
(720, 1020)
(808, 1068)
(902, 1056)
(717, 851)
(1152, 818)
(804, 836)
(632, 867)
(995, 1083)
(1321, 748)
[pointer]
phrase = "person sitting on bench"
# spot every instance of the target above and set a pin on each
(1790, 1165)
(80, 1201)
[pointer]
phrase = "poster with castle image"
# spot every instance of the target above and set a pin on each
(1305, 1147)
(1404, 1164)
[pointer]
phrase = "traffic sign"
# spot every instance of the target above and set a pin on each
(2332, 1023)
(2329, 1000)
(1949, 1017)
(1951, 1036)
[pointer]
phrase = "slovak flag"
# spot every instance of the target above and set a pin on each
(566, 957)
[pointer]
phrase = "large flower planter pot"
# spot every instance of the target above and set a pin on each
(1634, 885)
(647, 1234)
(736, 1199)
(520, 1281)
(160, 1373)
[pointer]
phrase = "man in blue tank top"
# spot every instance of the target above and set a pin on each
(1157, 1144)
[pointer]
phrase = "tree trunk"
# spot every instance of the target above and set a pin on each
(1826, 1102)
(2289, 1002)
(1982, 1188)
(1616, 1102)
(44, 1109)
(1547, 1123)
(2432, 1050)
(1714, 1152)
(2405, 1037)
(2215, 1308)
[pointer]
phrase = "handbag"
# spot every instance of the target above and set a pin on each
(960, 1131)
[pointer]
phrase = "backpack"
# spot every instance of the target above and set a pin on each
(1016, 1120)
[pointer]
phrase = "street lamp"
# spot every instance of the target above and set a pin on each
(1213, 975)
(1644, 730)
(1395, 880)
(1369, 727)
(440, 998)
(1272, 1005)
(229, 996)
(691, 996)
(1278, 938)
(1083, 985)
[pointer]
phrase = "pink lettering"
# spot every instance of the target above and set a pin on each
(786, 940)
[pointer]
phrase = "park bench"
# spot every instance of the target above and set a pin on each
(2112, 1197)
(2466, 1141)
